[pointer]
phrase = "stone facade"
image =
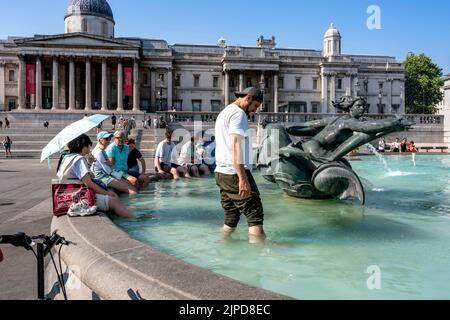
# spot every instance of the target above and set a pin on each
(83, 69)
(446, 110)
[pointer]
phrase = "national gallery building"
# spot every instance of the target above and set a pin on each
(88, 68)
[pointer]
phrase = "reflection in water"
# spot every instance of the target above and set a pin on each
(316, 249)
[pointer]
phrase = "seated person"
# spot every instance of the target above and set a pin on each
(133, 166)
(102, 167)
(75, 166)
(412, 147)
(164, 156)
(191, 160)
(117, 153)
(209, 155)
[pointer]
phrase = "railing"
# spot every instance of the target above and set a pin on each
(292, 117)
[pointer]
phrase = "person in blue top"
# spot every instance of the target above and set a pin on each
(118, 153)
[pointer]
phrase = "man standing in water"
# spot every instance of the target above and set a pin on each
(238, 190)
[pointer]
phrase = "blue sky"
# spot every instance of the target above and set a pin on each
(406, 25)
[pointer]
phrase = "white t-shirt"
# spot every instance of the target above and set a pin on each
(186, 154)
(78, 169)
(100, 163)
(165, 151)
(232, 120)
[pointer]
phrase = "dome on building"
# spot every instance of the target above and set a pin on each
(332, 32)
(99, 8)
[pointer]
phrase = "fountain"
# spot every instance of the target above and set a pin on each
(316, 168)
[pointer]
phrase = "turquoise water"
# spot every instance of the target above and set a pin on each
(318, 249)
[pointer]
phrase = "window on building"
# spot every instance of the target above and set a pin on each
(339, 84)
(395, 108)
(281, 83)
(178, 105)
(381, 108)
(215, 105)
(315, 84)
(145, 78)
(84, 27)
(11, 104)
(315, 107)
(161, 77)
(249, 83)
(298, 83)
(196, 80)
(178, 80)
(215, 82)
(105, 29)
(232, 83)
(197, 105)
(11, 75)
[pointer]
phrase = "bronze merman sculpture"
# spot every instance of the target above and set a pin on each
(316, 168)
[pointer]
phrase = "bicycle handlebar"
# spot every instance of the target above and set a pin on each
(17, 240)
(22, 240)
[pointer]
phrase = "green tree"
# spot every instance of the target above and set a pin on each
(423, 84)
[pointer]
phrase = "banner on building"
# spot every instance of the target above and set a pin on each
(128, 82)
(31, 79)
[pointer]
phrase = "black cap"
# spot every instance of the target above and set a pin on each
(257, 94)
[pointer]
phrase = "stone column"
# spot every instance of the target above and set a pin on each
(355, 85)
(88, 96)
(38, 83)
(348, 85)
(136, 96)
(104, 85)
(55, 100)
(389, 95)
(71, 84)
(153, 88)
(3, 106)
(333, 90)
(120, 86)
(22, 83)
(170, 88)
(324, 93)
(275, 93)
(241, 80)
(226, 88)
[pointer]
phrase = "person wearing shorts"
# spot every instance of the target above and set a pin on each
(102, 167)
(238, 190)
(190, 159)
(118, 153)
(133, 166)
(164, 155)
(75, 166)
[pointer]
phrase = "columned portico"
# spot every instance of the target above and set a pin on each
(275, 92)
(104, 85)
(241, 80)
(389, 95)
(88, 86)
(2, 87)
(136, 97)
(38, 83)
(22, 83)
(170, 88)
(226, 90)
(71, 84)
(333, 89)
(324, 92)
(55, 80)
(120, 86)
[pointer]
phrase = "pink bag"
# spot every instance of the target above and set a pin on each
(64, 193)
